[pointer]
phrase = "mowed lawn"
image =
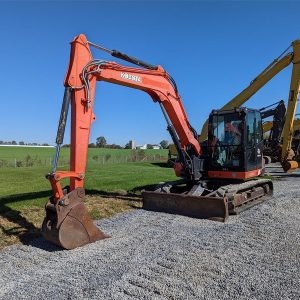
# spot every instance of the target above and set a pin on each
(10, 153)
(111, 188)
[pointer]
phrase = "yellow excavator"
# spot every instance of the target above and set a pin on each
(268, 130)
(280, 63)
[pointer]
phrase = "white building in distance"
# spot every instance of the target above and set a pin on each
(145, 146)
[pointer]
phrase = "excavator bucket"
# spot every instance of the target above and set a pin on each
(67, 223)
(202, 207)
(289, 165)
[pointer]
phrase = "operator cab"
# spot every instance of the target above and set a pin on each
(235, 144)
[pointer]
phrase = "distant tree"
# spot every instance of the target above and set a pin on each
(45, 144)
(21, 143)
(113, 146)
(128, 145)
(66, 146)
(101, 142)
(92, 145)
(164, 144)
(14, 143)
(149, 146)
(1, 142)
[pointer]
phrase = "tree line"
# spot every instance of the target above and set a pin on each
(22, 143)
(102, 143)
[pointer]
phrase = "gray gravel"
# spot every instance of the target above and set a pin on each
(158, 256)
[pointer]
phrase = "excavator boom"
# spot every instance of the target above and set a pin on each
(67, 222)
(287, 154)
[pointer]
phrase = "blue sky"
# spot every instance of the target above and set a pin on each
(212, 49)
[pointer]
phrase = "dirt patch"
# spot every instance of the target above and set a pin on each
(25, 225)
(106, 207)
(20, 226)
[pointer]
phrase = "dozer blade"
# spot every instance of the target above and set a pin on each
(67, 223)
(212, 208)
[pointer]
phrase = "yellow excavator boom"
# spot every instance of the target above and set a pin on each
(256, 84)
(264, 77)
(287, 133)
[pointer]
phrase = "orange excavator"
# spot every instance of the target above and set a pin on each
(214, 182)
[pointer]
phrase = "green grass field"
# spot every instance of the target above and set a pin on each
(22, 152)
(30, 156)
(24, 190)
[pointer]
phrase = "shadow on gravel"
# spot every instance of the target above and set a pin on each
(284, 175)
(42, 244)
(272, 167)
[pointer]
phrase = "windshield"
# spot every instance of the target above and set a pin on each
(227, 130)
(226, 141)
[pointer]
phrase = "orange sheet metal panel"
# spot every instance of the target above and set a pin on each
(234, 175)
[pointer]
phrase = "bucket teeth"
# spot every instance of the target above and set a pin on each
(67, 223)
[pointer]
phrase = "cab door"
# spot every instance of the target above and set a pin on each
(259, 140)
(254, 141)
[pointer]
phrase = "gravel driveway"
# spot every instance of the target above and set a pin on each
(255, 255)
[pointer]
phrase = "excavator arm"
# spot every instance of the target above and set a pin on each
(80, 82)
(67, 222)
(278, 113)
